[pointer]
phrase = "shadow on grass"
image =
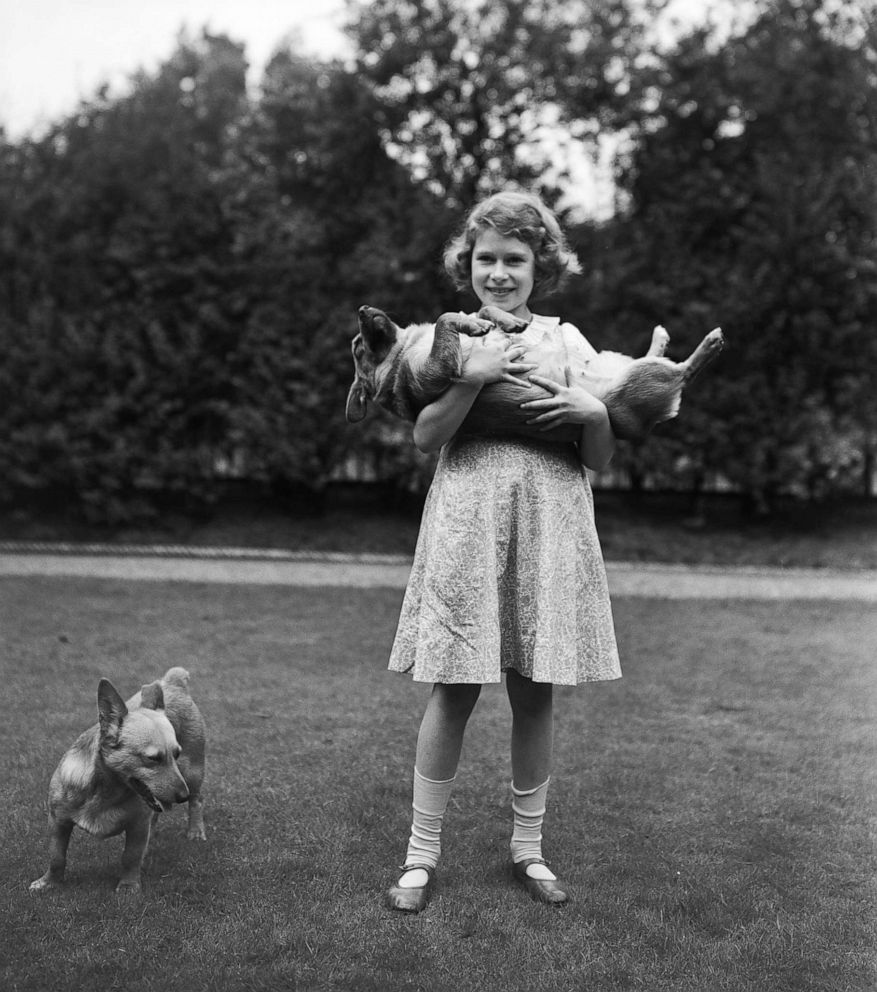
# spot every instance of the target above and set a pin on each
(710, 812)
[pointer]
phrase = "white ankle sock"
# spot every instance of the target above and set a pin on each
(424, 845)
(528, 806)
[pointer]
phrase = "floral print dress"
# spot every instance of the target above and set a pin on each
(508, 570)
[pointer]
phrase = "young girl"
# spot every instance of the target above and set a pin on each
(508, 575)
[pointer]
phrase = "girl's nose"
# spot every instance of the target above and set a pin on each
(499, 273)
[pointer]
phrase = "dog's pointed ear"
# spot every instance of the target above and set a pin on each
(356, 402)
(151, 696)
(111, 708)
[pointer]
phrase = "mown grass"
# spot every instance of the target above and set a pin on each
(712, 812)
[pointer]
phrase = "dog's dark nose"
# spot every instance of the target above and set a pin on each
(182, 793)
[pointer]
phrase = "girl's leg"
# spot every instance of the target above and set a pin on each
(440, 739)
(532, 729)
(532, 752)
(439, 743)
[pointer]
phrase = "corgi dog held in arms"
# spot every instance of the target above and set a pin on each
(405, 369)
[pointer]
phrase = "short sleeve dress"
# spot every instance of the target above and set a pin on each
(508, 570)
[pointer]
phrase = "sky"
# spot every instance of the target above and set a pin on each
(54, 53)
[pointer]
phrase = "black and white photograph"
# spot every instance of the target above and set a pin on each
(438, 495)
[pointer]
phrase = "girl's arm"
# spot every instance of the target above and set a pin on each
(490, 359)
(597, 444)
(438, 422)
(571, 404)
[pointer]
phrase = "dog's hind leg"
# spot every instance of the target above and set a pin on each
(703, 354)
(58, 843)
(660, 340)
(192, 769)
(190, 735)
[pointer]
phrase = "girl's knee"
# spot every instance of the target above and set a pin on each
(526, 696)
(457, 699)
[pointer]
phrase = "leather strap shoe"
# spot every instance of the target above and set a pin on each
(539, 889)
(408, 899)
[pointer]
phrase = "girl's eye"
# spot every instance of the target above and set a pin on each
(507, 260)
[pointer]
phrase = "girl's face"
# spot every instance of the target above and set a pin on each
(503, 270)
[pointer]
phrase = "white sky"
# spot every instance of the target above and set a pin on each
(53, 53)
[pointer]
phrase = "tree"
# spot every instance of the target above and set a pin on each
(476, 94)
(126, 289)
(752, 203)
(349, 226)
(187, 267)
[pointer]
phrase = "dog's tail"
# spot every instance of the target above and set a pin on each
(177, 676)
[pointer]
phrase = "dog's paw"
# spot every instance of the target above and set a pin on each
(44, 884)
(660, 340)
(196, 833)
(715, 340)
(479, 327)
(128, 889)
(472, 327)
(504, 321)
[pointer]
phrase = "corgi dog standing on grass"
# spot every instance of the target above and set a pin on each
(142, 757)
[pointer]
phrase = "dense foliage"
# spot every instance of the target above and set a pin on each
(180, 267)
(752, 188)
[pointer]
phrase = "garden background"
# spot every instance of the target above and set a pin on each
(181, 265)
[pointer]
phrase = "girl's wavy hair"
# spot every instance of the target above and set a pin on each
(515, 215)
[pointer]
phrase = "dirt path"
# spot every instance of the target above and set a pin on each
(238, 565)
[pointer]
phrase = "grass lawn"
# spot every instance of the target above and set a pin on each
(712, 812)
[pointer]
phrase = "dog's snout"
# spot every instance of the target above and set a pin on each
(366, 319)
(182, 793)
(372, 316)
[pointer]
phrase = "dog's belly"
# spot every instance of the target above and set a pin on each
(497, 409)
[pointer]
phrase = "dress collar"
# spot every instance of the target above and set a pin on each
(541, 323)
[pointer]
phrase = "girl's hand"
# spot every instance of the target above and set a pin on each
(569, 404)
(495, 359)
